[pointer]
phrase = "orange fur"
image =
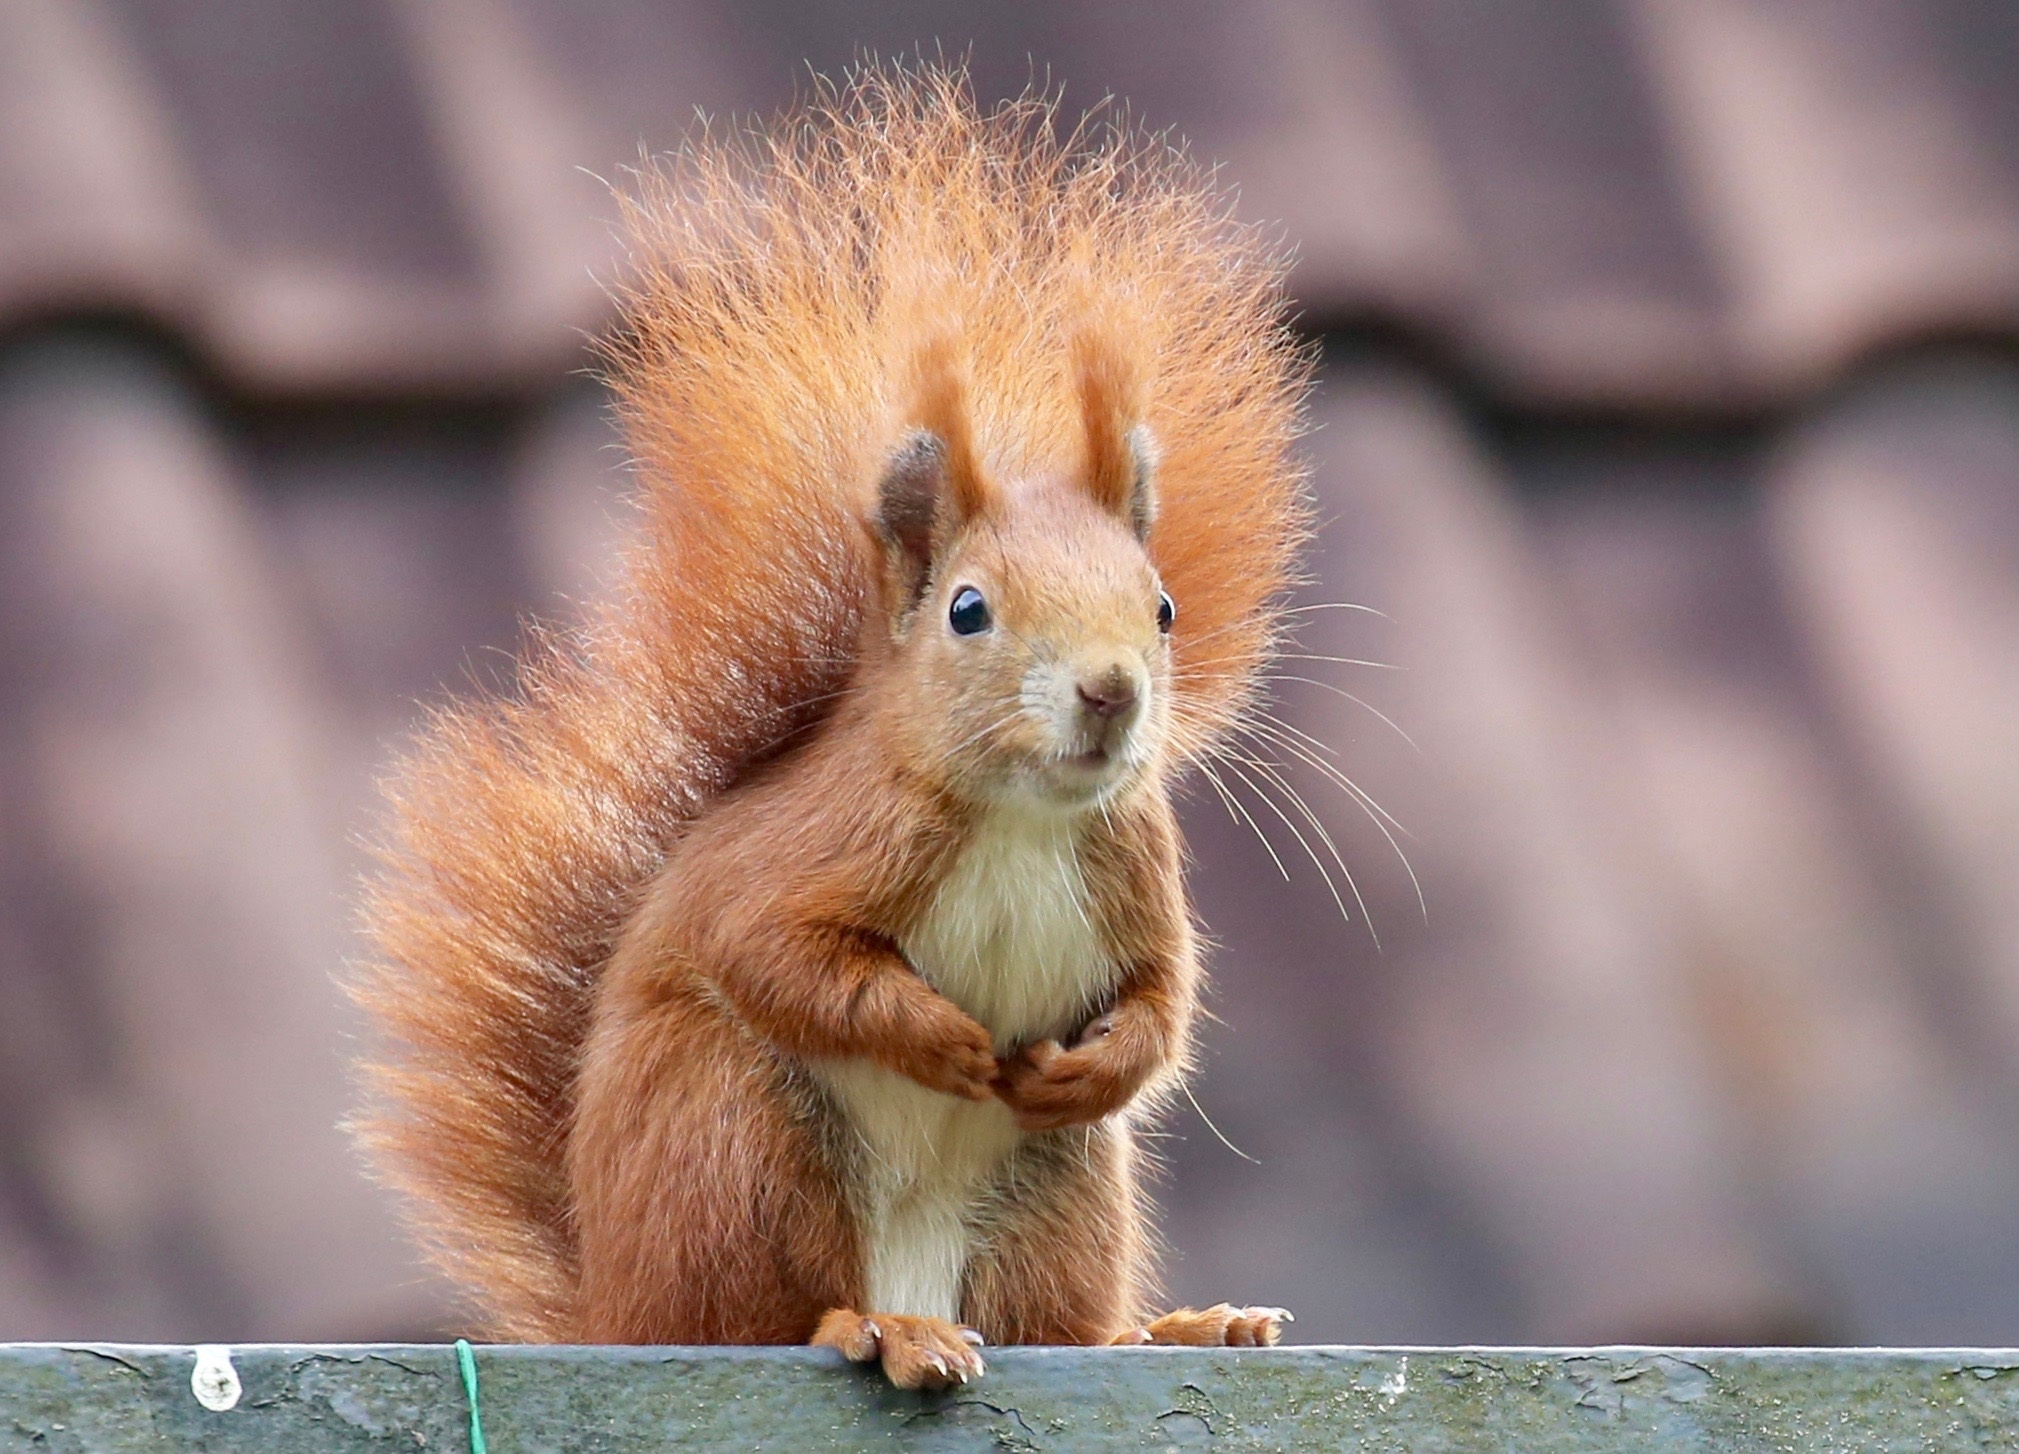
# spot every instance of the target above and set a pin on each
(629, 913)
(1110, 407)
(1220, 1326)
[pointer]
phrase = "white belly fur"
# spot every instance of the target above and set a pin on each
(1009, 939)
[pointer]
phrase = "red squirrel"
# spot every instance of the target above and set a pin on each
(797, 951)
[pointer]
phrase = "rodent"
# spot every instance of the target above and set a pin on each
(796, 951)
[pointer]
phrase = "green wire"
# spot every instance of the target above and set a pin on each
(467, 1359)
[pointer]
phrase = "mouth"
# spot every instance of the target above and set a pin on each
(1090, 771)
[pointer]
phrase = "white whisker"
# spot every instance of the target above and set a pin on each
(1234, 805)
(1297, 833)
(1333, 606)
(1270, 731)
(1215, 1129)
(1336, 660)
(1361, 799)
(1342, 692)
(1274, 776)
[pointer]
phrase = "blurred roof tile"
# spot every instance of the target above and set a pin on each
(1838, 172)
(1898, 514)
(1590, 283)
(94, 203)
(1601, 201)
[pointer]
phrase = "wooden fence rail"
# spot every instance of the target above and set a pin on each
(117, 1399)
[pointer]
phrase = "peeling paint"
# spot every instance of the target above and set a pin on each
(1397, 1383)
(213, 1380)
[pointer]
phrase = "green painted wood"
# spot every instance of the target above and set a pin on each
(106, 1399)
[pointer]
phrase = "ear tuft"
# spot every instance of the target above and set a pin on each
(1120, 453)
(940, 405)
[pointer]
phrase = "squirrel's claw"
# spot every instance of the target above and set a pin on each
(925, 1353)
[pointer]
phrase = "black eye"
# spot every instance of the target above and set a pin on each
(1167, 610)
(969, 612)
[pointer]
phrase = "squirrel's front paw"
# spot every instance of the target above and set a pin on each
(955, 1057)
(914, 1352)
(1048, 1086)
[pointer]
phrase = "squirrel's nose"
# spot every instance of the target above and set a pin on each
(1109, 694)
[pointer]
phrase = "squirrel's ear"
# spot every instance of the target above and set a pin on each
(907, 499)
(1143, 493)
(1121, 454)
(932, 484)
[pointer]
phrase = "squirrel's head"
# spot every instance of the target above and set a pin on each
(1030, 633)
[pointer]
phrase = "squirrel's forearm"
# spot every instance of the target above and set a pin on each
(1160, 988)
(830, 991)
(1150, 1020)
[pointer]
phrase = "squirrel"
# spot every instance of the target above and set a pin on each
(796, 951)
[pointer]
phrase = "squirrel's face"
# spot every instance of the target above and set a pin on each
(1031, 634)
(1036, 660)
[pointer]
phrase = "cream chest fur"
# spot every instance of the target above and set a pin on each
(1010, 939)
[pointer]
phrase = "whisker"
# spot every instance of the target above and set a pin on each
(1332, 606)
(1188, 639)
(1317, 744)
(986, 729)
(1362, 799)
(812, 701)
(1042, 652)
(1342, 692)
(1317, 826)
(1336, 660)
(1276, 776)
(1215, 1129)
(1221, 789)
(1263, 727)
(1297, 833)
(1212, 663)
(786, 736)
(1236, 807)
(1079, 898)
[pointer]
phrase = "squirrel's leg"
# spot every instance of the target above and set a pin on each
(1071, 1260)
(1068, 1257)
(914, 1352)
(703, 1208)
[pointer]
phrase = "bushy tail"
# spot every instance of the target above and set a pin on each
(779, 288)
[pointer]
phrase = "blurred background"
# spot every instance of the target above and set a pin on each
(1669, 415)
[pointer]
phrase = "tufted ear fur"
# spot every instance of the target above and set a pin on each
(932, 484)
(1120, 452)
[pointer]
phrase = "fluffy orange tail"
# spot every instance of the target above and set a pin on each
(781, 291)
